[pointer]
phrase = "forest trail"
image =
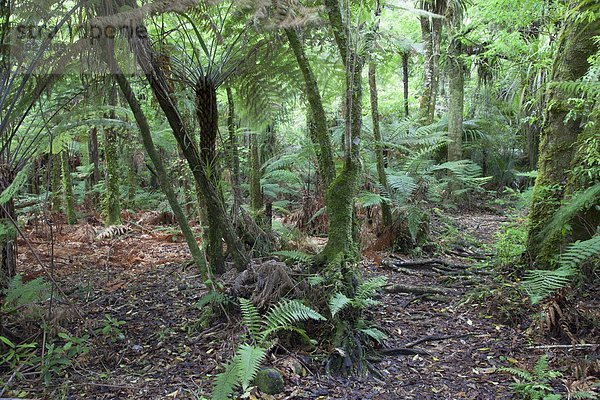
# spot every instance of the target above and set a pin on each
(142, 281)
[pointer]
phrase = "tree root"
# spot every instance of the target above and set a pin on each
(400, 288)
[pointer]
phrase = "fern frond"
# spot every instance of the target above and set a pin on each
(18, 294)
(518, 372)
(225, 381)
(375, 334)
(251, 318)
(248, 359)
(541, 284)
(579, 252)
(337, 303)
(287, 313)
(368, 288)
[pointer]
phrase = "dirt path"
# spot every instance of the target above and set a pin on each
(166, 354)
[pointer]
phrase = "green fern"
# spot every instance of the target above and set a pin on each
(249, 359)
(534, 384)
(287, 313)
(338, 302)
(19, 294)
(225, 382)
(250, 318)
(541, 284)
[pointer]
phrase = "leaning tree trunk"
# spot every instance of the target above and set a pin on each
(207, 114)
(8, 236)
(559, 135)
(319, 133)
(456, 76)
(159, 167)
(67, 186)
(386, 212)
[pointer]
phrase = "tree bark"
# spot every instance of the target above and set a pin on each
(456, 73)
(405, 57)
(386, 212)
(256, 196)
(67, 185)
(234, 157)
(559, 135)
(8, 236)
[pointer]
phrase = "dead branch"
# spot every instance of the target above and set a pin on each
(436, 338)
(400, 288)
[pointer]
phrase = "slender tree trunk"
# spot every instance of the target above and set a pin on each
(234, 157)
(559, 135)
(256, 196)
(426, 113)
(56, 182)
(112, 202)
(161, 172)
(94, 156)
(8, 234)
(67, 184)
(159, 84)
(456, 73)
(320, 133)
(386, 212)
(405, 57)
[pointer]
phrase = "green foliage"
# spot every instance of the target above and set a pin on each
(362, 299)
(511, 243)
(19, 294)
(534, 384)
(58, 358)
(111, 329)
(13, 354)
(541, 284)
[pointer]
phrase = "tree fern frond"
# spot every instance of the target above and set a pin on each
(540, 284)
(251, 318)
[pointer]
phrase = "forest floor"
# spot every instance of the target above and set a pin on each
(141, 278)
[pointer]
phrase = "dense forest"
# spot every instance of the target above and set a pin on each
(287, 199)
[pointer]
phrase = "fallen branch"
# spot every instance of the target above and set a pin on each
(434, 338)
(403, 351)
(400, 288)
(428, 264)
(563, 346)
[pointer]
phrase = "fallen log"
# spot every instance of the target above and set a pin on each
(402, 351)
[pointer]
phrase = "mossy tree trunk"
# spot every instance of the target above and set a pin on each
(256, 196)
(342, 245)
(234, 156)
(94, 156)
(456, 76)
(386, 211)
(559, 135)
(112, 201)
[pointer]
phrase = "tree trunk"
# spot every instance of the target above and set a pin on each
(559, 135)
(94, 156)
(256, 196)
(234, 157)
(207, 114)
(8, 234)
(386, 212)
(67, 185)
(341, 194)
(426, 113)
(112, 202)
(320, 133)
(456, 73)
(405, 57)
(56, 182)
(161, 172)
(159, 84)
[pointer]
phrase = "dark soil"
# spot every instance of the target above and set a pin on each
(141, 279)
